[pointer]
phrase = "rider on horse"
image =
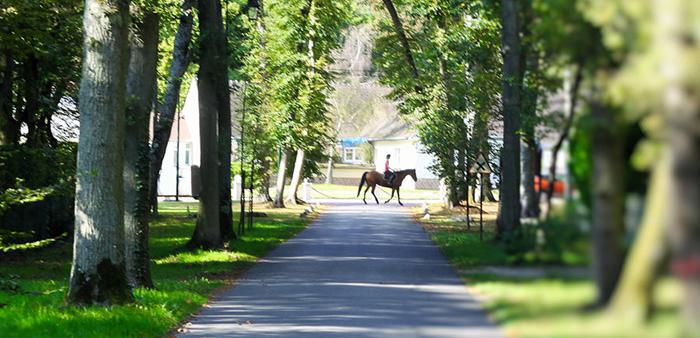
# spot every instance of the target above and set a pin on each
(388, 173)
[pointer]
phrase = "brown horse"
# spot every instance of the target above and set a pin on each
(374, 178)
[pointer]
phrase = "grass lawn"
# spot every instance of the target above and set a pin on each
(538, 307)
(33, 287)
(335, 191)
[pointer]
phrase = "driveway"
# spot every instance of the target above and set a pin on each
(357, 271)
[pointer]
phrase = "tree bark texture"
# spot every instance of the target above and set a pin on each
(98, 274)
(509, 199)
(140, 90)
(608, 219)
(281, 180)
(677, 41)
(165, 114)
(223, 102)
(296, 177)
(633, 297)
(207, 233)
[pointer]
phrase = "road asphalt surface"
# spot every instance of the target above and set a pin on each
(357, 271)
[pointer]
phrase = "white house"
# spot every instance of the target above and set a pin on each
(186, 129)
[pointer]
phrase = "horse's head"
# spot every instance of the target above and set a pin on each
(412, 172)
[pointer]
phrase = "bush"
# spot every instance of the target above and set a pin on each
(37, 189)
(557, 241)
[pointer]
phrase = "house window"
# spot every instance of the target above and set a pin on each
(188, 153)
(351, 155)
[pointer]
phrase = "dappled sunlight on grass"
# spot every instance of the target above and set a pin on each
(552, 307)
(538, 307)
(32, 300)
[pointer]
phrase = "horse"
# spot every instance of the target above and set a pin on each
(374, 178)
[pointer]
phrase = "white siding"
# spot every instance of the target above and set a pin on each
(405, 154)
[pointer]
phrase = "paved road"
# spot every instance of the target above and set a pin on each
(357, 271)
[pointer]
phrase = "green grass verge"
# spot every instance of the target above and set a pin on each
(33, 288)
(547, 307)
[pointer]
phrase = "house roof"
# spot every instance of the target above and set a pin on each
(185, 134)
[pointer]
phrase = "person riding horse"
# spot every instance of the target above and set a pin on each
(388, 173)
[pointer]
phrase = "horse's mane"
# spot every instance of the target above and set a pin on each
(404, 171)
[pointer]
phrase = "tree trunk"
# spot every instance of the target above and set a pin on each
(452, 180)
(633, 297)
(140, 88)
(509, 199)
(677, 44)
(224, 107)
(31, 98)
(608, 199)
(265, 179)
(207, 233)
(296, 177)
(9, 127)
(531, 206)
(572, 102)
(182, 55)
(281, 180)
(462, 174)
(98, 273)
(398, 27)
(329, 170)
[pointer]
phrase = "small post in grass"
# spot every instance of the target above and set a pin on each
(481, 167)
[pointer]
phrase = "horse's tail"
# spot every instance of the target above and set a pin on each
(362, 182)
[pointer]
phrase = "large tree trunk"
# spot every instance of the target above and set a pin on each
(207, 233)
(608, 199)
(224, 107)
(9, 127)
(677, 42)
(140, 88)
(182, 55)
(98, 274)
(509, 199)
(296, 177)
(281, 180)
(633, 297)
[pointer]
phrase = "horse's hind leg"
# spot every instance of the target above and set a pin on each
(375, 196)
(364, 197)
(392, 196)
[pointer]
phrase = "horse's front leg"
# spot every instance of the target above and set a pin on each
(398, 196)
(392, 196)
(364, 197)
(375, 196)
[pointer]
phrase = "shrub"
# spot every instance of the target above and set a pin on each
(37, 189)
(556, 241)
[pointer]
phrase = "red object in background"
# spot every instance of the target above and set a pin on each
(544, 186)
